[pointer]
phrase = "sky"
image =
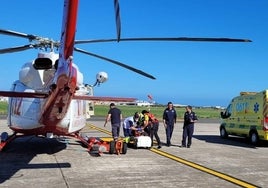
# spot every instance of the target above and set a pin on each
(194, 73)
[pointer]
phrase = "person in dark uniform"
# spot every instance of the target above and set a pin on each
(188, 127)
(115, 116)
(169, 119)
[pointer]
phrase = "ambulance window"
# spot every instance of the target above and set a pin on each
(227, 112)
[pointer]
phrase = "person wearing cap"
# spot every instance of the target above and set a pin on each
(128, 123)
(169, 120)
(188, 126)
(115, 115)
(144, 121)
(150, 125)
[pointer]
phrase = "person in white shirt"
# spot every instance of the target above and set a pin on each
(128, 123)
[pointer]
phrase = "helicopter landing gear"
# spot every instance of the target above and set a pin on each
(5, 139)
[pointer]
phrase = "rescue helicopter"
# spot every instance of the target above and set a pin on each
(50, 98)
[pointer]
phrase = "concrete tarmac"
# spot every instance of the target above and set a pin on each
(210, 162)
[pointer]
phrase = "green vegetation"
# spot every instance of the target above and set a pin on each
(3, 107)
(101, 110)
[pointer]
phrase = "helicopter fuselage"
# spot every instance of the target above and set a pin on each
(58, 113)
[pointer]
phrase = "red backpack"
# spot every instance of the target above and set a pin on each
(152, 118)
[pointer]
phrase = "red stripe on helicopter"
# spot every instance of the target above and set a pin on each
(70, 17)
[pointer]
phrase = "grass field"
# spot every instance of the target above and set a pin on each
(102, 110)
(3, 107)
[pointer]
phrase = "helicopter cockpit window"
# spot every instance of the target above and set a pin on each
(42, 64)
(227, 113)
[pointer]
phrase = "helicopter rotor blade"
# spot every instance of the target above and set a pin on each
(117, 19)
(18, 34)
(116, 62)
(178, 39)
(16, 49)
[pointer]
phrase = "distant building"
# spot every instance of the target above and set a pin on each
(143, 103)
(4, 99)
(138, 103)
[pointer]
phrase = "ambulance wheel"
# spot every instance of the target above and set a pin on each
(124, 149)
(254, 137)
(112, 147)
(223, 133)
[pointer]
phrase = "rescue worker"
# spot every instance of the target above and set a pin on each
(144, 122)
(154, 129)
(128, 123)
(115, 115)
(169, 119)
(188, 127)
(151, 125)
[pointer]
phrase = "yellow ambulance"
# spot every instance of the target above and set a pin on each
(246, 116)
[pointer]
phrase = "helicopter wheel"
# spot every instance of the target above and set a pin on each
(4, 136)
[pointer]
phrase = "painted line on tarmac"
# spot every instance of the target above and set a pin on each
(99, 129)
(192, 164)
(205, 169)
